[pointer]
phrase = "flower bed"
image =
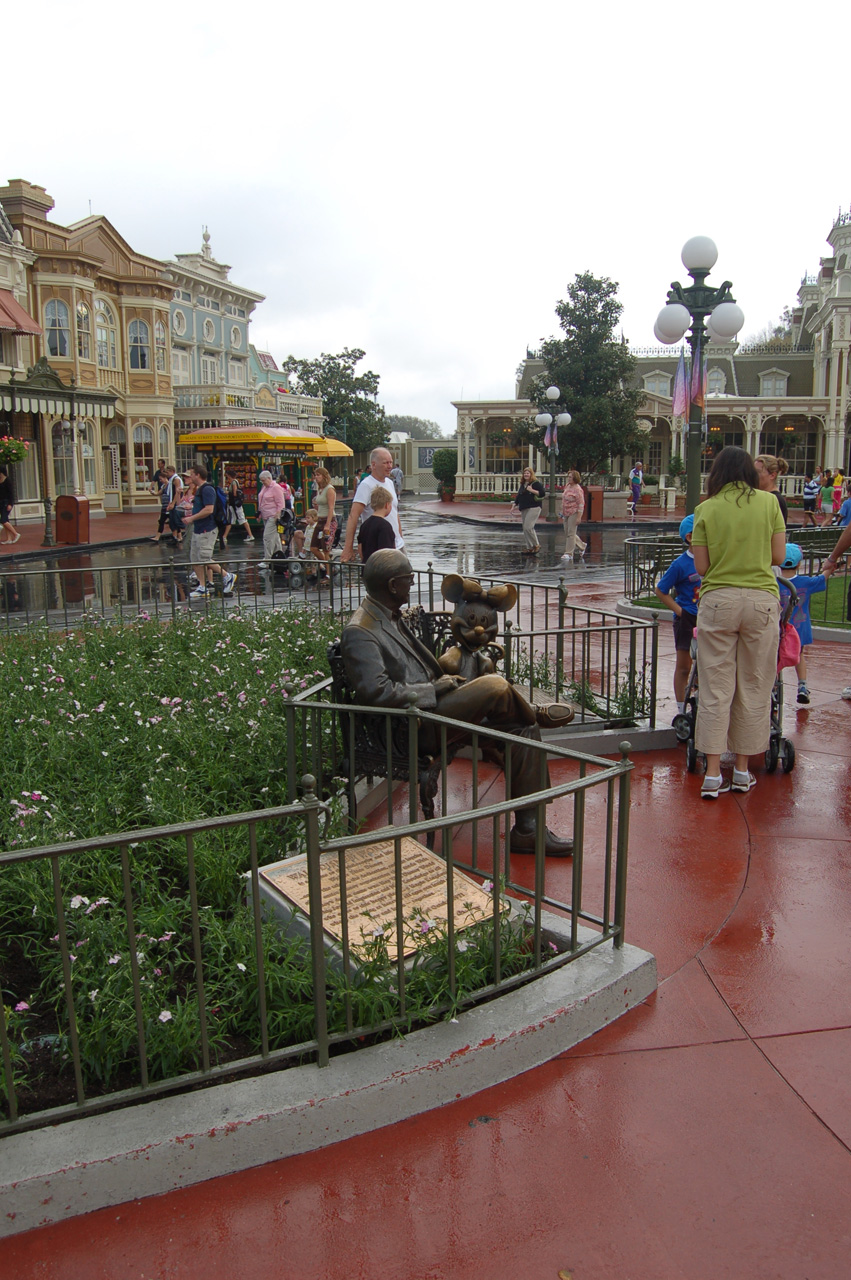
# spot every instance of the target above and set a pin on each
(119, 728)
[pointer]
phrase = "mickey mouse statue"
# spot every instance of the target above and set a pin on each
(474, 628)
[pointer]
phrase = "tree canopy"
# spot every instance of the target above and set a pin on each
(349, 399)
(417, 428)
(594, 373)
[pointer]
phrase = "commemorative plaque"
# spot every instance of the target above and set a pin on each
(370, 896)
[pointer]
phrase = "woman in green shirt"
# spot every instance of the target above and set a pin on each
(738, 535)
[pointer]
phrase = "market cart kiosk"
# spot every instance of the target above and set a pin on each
(246, 451)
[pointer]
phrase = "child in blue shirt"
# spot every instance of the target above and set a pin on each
(845, 513)
(800, 619)
(678, 590)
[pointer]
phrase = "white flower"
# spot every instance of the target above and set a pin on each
(93, 995)
(77, 901)
(241, 967)
(378, 933)
(165, 1016)
(462, 946)
(114, 959)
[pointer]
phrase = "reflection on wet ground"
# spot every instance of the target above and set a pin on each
(156, 578)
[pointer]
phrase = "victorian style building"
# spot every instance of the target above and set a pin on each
(102, 313)
(791, 398)
(108, 357)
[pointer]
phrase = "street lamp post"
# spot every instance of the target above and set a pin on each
(711, 313)
(546, 420)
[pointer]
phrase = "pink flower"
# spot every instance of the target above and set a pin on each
(21, 1007)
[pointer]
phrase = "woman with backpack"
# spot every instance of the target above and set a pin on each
(236, 515)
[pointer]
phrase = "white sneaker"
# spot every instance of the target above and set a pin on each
(712, 788)
(199, 592)
(229, 581)
(262, 565)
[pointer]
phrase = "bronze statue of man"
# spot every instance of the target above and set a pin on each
(388, 667)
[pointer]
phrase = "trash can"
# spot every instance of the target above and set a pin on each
(594, 502)
(72, 519)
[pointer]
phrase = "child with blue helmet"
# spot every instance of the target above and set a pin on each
(805, 586)
(678, 590)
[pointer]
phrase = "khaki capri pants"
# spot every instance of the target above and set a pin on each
(738, 633)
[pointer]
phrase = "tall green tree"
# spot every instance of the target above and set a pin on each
(349, 399)
(594, 372)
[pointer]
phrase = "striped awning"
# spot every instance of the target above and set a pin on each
(44, 402)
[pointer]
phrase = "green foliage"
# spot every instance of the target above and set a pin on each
(417, 428)
(349, 398)
(444, 466)
(593, 372)
(120, 728)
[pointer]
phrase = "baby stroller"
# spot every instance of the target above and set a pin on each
(287, 568)
(780, 749)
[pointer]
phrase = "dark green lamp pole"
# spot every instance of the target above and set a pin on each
(545, 420)
(712, 315)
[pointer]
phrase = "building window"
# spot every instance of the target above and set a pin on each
(178, 322)
(658, 384)
(85, 430)
(654, 457)
(718, 437)
(237, 373)
(236, 337)
(58, 326)
(185, 457)
(501, 456)
(180, 371)
(209, 330)
(118, 439)
(716, 382)
(773, 383)
(209, 369)
(160, 346)
(84, 331)
(105, 335)
(63, 460)
(164, 442)
(143, 456)
(140, 345)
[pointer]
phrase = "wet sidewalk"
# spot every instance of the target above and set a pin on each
(705, 1134)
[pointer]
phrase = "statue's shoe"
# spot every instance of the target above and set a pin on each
(554, 846)
(555, 715)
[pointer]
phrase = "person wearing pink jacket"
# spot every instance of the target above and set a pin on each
(270, 504)
(572, 507)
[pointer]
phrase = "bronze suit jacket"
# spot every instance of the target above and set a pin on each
(385, 663)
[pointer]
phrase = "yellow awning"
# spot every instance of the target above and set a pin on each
(260, 438)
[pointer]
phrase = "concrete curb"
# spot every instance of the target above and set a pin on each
(60, 1171)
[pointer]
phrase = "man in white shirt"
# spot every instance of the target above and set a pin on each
(380, 466)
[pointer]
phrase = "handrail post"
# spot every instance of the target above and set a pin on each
(654, 663)
(317, 938)
(289, 721)
(562, 599)
(622, 845)
(508, 650)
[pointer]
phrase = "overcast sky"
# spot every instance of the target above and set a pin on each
(422, 181)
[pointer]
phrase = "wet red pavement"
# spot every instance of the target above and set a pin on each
(704, 1136)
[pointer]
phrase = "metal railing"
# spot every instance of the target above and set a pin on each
(646, 559)
(605, 665)
(333, 990)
